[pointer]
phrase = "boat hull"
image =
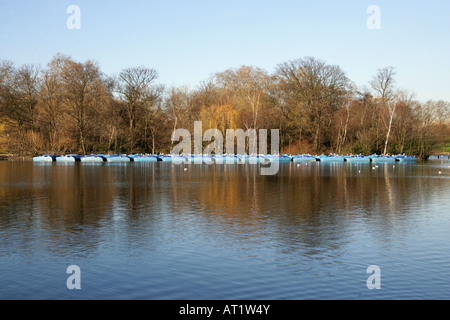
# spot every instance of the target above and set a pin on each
(68, 159)
(145, 159)
(406, 159)
(93, 159)
(280, 158)
(304, 159)
(118, 159)
(44, 159)
(174, 159)
(331, 159)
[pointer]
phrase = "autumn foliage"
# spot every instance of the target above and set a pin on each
(72, 107)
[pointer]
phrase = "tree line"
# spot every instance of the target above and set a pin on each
(73, 107)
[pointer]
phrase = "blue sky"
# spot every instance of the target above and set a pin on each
(187, 41)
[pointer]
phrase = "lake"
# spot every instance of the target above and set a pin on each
(159, 231)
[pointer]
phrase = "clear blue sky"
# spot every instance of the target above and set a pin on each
(188, 40)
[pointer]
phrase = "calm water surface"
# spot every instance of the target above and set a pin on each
(157, 231)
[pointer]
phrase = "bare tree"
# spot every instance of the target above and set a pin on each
(26, 85)
(51, 107)
(404, 126)
(247, 87)
(178, 104)
(314, 90)
(441, 112)
(344, 120)
(6, 83)
(18, 98)
(83, 93)
(137, 89)
(383, 84)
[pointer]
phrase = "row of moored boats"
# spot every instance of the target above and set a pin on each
(228, 159)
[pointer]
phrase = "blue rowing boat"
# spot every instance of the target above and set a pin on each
(331, 158)
(45, 158)
(256, 158)
(357, 159)
(69, 158)
(304, 158)
(118, 158)
(280, 158)
(382, 159)
(143, 158)
(177, 159)
(93, 158)
(406, 159)
(227, 158)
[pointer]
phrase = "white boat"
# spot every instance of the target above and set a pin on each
(68, 158)
(331, 158)
(45, 158)
(143, 158)
(382, 159)
(93, 158)
(358, 159)
(304, 158)
(118, 158)
(406, 159)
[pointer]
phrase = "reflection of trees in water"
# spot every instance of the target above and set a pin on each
(315, 206)
(308, 207)
(59, 205)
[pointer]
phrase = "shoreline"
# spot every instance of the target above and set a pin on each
(445, 156)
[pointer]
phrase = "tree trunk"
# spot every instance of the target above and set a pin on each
(153, 143)
(389, 130)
